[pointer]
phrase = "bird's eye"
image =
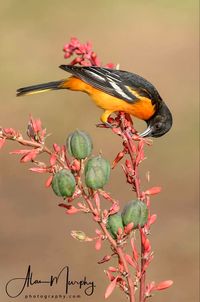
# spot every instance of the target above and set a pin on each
(158, 125)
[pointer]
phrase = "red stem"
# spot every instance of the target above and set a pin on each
(136, 183)
(122, 258)
(138, 193)
(118, 249)
(143, 277)
(135, 167)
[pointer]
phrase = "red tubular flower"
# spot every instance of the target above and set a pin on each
(163, 285)
(147, 246)
(10, 131)
(130, 260)
(97, 201)
(152, 219)
(114, 209)
(153, 191)
(105, 259)
(21, 151)
(72, 210)
(128, 228)
(49, 181)
(53, 159)
(56, 148)
(160, 286)
(98, 244)
(75, 166)
(39, 170)
(119, 156)
(2, 142)
(111, 287)
(110, 65)
(134, 250)
(31, 155)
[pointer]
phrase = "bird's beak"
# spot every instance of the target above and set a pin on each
(146, 132)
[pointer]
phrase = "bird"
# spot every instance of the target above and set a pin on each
(114, 90)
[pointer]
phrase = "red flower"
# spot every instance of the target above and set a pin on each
(10, 131)
(84, 55)
(153, 191)
(2, 142)
(163, 285)
(111, 287)
(31, 155)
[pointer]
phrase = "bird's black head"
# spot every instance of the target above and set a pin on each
(160, 123)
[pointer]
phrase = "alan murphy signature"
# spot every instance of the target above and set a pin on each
(15, 287)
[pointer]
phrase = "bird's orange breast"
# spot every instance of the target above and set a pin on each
(142, 109)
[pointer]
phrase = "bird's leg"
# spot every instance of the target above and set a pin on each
(104, 119)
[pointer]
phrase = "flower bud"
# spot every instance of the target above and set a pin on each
(114, 223)
(79, 144)
(97, 172)
(79, 235)
(63, 183)
(135, 211)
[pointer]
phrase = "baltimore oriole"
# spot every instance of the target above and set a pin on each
(115, 90)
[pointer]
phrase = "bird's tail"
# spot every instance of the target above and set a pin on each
(40, 88)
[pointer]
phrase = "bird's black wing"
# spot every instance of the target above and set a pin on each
(111, 81)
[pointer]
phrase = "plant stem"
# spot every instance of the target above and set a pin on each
(135, 168)
(136, 183)
(143, 276)
(138, 193)
(122, 258)
(118, 249)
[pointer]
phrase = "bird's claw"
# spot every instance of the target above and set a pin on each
(105, 125)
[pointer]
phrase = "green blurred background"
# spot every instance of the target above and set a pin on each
(156, 39)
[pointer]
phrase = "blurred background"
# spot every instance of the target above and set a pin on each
(156, 39)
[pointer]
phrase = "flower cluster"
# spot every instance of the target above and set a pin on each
(84, 54)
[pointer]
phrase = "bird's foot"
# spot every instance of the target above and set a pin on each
(105, 125)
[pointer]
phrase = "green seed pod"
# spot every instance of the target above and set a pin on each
(63, 183)
(79, 144)
(135, 211)
(114, 223)
(97, 172)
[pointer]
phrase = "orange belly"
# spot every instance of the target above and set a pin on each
(142, 109)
